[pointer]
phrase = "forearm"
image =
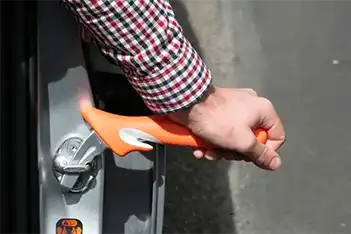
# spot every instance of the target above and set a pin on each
(145, 40)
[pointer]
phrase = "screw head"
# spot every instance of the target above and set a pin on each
(60, 162)
(73, 145)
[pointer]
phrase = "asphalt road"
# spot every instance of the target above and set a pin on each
(298, 54)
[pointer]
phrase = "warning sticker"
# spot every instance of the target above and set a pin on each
(69, 226)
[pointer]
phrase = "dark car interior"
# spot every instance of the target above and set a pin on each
(18, 162)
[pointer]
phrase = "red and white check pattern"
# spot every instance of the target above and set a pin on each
(144, 38)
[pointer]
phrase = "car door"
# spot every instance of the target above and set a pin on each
(43, 67)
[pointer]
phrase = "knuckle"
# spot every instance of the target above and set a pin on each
(266, 103)
(253, 91)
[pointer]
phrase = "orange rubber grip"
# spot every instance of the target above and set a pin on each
(107, 126)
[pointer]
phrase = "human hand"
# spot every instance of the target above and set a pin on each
(226, 118)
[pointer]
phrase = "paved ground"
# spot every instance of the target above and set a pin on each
(285, 50)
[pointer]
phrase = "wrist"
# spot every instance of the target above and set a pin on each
(184, 116)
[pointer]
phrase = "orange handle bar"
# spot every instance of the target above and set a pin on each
(109, 126)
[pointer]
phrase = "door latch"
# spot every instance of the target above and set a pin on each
(76, 162)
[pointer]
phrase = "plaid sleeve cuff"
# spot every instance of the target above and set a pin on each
(147, 42)
(175, 85)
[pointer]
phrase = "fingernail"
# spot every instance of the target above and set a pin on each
(275, 163)
(198, 154)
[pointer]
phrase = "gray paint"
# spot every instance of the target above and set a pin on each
(62, 79)
(128, 194)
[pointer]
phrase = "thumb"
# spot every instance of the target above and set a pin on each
(264, 157)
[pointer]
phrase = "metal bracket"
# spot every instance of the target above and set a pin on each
(75, 162)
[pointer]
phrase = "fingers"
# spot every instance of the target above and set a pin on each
(213, 155)
(270, 121)
(273, 125)
(207, 154)
(261, 155)
(264, 157)
(198, 153)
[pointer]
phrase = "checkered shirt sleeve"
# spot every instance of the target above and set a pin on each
(145, 40)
